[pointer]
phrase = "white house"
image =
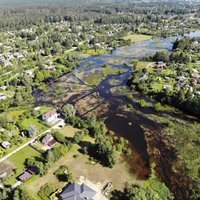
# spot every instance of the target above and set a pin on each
(50, 116)
(2, 96)
(6, 144)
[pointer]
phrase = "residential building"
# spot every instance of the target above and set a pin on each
(48, 140)
(25, 176)
(78, 192)
(50, 116)
(6, 144)
(2, 96)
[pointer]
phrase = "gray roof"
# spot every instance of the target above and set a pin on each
(25, 176)
(78, 192)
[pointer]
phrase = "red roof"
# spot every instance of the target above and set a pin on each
(50, 113)
(51, 142)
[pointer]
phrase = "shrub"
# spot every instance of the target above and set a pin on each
(46, 191)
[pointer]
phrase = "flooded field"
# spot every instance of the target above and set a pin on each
(100, 92)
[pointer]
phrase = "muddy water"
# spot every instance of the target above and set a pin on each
(123, 124)
(130, 130)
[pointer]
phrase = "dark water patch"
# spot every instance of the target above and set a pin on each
(127, 128)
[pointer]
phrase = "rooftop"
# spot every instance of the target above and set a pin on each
(78, 192)
(50, 113)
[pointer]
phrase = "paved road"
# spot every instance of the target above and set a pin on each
(61, 122)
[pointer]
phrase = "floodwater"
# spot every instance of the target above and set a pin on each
(127, 125)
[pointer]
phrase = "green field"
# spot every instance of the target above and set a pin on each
(142, 64)
(137, 38)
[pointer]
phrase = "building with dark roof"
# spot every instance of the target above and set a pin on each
(78, 192)
(25, 176)
(31, 171)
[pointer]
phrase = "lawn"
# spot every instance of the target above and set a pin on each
(142, 64)
(18, 159)
(137, 37)
(68, 131)
(80, 165)
(157, 86)
(26, 123)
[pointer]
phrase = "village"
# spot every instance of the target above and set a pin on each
(162, 78)
(94, 99)
(39, 143)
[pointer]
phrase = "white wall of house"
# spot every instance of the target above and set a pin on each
(50, 119)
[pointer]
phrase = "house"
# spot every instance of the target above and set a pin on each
(78, 192)
(6, 63)
(18, 55)
(144, 77)
(9, 55)
(50, 116)
(161, 65)
(5, 170)
(10, 134)
(50, 67)
(25, 176)
(3, 87)
(28, 174)
(30, 73)
(48, 140)
(2, 96)
(3, 174)
(2, 130)
(6, 144)
(167, 87)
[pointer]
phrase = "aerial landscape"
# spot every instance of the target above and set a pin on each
(99, 99)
